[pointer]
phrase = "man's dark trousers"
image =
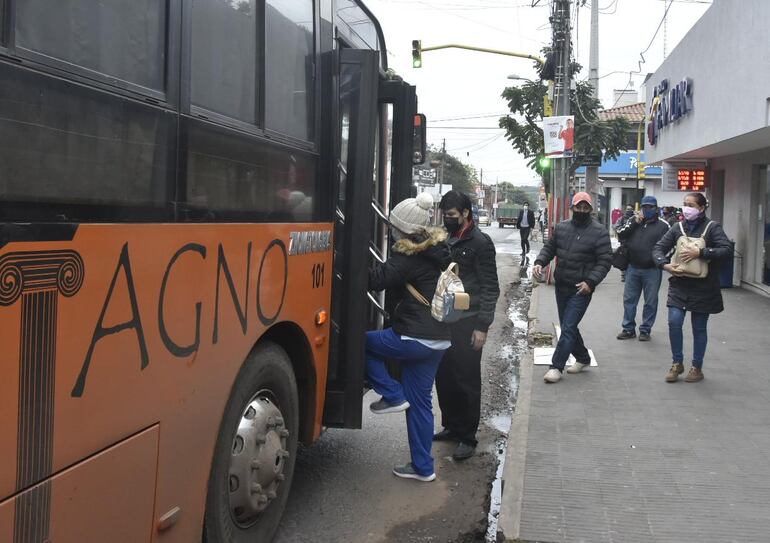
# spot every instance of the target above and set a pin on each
(458, 383)
(571, 308)
(524, 233)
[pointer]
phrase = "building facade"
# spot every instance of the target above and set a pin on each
(709, 104)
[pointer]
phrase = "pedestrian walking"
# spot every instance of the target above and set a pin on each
(584, 251)
(628, 215)
(525, 223)
(639, 236)
(458, 382)
(701, 297)
(415, 339)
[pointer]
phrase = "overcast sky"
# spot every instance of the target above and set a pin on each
(454, 83)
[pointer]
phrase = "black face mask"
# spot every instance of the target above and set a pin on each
(581, 217)
(452, 224)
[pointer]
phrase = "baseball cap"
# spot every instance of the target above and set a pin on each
(649, 201)
(581, 197)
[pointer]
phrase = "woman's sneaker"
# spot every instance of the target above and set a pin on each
(407, 472)
(381, 407)
(674, 373)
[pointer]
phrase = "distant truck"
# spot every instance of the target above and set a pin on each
(507, 214)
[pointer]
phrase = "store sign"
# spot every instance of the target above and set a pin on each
(691, 180)
(668, 106)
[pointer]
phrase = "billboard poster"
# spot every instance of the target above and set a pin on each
(559, 134)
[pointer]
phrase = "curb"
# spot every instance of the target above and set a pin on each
(509, 520)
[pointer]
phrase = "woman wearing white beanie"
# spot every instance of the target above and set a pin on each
(415, 338)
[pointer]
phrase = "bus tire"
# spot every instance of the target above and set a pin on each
(256, 450)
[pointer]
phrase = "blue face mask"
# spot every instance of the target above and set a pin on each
(649, 213)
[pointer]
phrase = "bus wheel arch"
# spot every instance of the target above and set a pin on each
(253, 463)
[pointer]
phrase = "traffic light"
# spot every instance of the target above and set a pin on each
(640, 170)
(544, 162)
(416, 54)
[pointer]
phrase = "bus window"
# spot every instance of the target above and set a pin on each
(224, 57)
(3, 20)
(124, 40)
(289, 71)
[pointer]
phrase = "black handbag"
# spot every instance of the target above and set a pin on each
(620, 258)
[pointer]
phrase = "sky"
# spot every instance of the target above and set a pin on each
(454, 84)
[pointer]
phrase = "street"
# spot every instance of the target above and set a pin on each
(343, 486)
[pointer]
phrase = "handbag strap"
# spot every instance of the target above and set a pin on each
(416, 293)
(703, 235)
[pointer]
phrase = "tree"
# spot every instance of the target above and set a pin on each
(462, 177)
(506, 192)
(592, 136)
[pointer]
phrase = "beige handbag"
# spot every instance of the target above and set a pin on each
(697, 268)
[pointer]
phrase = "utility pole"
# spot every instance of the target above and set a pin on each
(592, 172)
(561, 48)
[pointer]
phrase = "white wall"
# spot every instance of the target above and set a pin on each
(726, 55)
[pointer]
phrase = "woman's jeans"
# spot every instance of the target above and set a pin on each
(418, 371)
(699, 334)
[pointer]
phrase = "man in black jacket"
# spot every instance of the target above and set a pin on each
(639, 235)
(525, 223)
(583, 248)
(458, 381)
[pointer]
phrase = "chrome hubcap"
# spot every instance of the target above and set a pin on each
(258, 458)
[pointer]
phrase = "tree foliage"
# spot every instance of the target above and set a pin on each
(507, 192)
(523, 127)
(462, 177)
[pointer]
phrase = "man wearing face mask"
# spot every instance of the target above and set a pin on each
(639, 236)
(583, 249)
(525, 223)
(458, 381)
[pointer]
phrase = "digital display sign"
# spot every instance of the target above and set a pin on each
(691, 180)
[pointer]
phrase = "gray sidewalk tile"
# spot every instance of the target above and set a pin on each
(615, 454)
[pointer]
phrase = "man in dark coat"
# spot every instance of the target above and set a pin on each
(458, 381)
(525, 223)
(701, 297)
(583, 249)
(639, 235)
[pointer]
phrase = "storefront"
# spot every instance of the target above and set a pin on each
(710, 128)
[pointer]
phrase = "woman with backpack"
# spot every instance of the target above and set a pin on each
(700, 296)
(415, 339)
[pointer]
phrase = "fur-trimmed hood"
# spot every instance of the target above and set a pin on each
(408, 246)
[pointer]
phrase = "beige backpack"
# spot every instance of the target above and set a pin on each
(697, 268)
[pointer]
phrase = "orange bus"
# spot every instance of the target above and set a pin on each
(191, 193)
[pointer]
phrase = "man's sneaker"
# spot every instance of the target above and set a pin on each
(445, 435)
(407, 472)
(381, 407)
(577, 367)
(674, 373)
(644, 336)
(626, 334)
(553, 376)
(694, 375)
(463, 451)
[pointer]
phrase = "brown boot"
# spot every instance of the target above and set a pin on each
(674, 373)
(694, 375)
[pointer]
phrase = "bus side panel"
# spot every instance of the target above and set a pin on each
(108, 497)
(146, 326)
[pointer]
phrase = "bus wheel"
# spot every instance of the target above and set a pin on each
(254, 458)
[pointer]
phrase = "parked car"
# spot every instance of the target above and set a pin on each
(484, 219)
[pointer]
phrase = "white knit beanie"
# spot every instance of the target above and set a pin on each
(412, 215)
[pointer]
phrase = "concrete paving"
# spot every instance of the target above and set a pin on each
(617, 454)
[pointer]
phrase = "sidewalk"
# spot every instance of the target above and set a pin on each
(617, 454)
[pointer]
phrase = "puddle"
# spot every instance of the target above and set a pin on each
(501, 421)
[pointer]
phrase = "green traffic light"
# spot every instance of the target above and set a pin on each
(416, 63)
(545, 162)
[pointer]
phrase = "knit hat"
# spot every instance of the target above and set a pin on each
(412, 215)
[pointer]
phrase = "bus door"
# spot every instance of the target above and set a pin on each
(355, 135)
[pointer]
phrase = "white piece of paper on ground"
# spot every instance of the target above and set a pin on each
(542, 355)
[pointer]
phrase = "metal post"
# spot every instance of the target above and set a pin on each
(592, 172)
(561, 46)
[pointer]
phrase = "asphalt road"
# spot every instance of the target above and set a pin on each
(344, 490)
